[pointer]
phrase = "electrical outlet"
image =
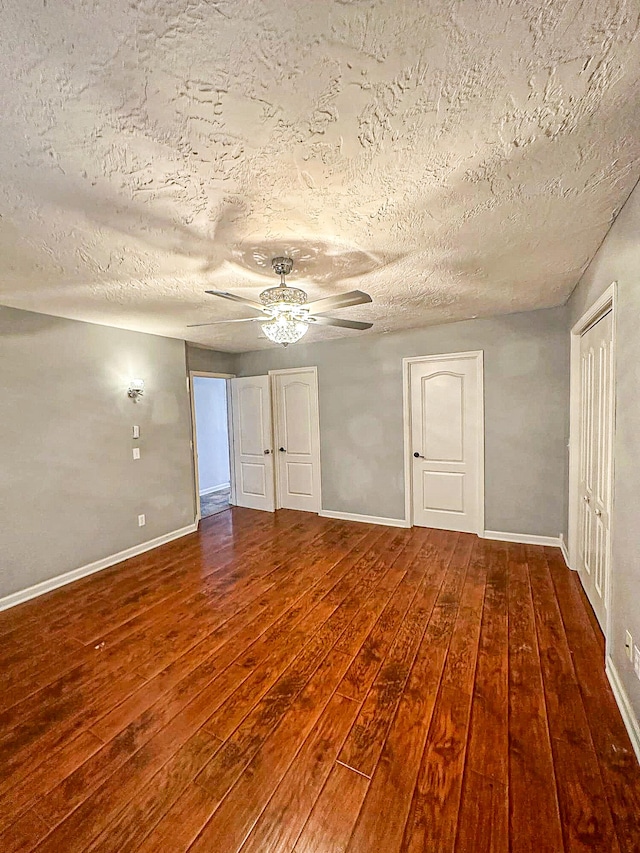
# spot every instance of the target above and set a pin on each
(141, 520)
(628, 644)
(136, 453)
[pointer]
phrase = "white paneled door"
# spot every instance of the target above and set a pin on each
(446, 441)
(596, 427)
(297, 438)
(252, 443)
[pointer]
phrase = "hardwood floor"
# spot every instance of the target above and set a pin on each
(291, 683)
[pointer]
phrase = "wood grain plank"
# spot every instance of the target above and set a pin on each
(23, 835)
(233, 820)
(181, 824)
(534, 809)
(242, 744)
(366, 739)
(52, 772)
(484, 816)
(434, 812)
(381, 822)
(483, 819)
(27, 745)
(188, 707)
(151, 803)
(334, 813)
(586, 820)
(82, 826)
(368, 661)
(433, 816)
(283, 819)
(488, 742)
(319, 622)
(246, 632)
(136, 641)
(618, 764)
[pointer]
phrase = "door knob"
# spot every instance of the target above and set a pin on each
(282, 450)
(586, 499)
(418, 455)
(266, 452)
(598, 512)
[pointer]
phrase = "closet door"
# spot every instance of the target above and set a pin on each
(252, 442)
(596, 429)
(297, 432)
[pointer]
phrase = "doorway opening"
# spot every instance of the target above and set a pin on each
(211, 443)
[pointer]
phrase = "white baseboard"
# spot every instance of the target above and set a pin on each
(69, 577)
(629, 718)
(565, 551)
(221, 488)
(523, 538)
(366, 519)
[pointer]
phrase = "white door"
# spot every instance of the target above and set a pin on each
(295, 399)
(252, 443)
(596, 424)
(446, 431)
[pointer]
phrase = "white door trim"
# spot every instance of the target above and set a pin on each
(606, 302)
(274, 427)
(478, 355)
(194, 437)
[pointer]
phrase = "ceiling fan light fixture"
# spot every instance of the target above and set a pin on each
(288, 312)
(285, 329)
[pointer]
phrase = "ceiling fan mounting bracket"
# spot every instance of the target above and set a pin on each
(282, 266)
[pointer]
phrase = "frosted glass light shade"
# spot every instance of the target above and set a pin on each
(284, 329)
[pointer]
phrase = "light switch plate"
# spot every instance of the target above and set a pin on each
(136, 453)
(136, 431)
(628, 644)
(142, 520)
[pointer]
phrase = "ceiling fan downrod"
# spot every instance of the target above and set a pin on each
(282, 267)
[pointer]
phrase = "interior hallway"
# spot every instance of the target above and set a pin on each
(214, 503)
(286, 682)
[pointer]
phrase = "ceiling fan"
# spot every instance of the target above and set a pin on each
(288, 314)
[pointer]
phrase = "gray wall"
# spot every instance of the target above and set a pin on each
(526, 415)
(210, 403)
(619, 260)
(70, 492)
(210, 360)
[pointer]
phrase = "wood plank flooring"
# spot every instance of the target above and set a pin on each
(290, 683)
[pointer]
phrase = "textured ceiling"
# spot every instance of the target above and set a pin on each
(451, 158)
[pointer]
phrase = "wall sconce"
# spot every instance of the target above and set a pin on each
(136, 389)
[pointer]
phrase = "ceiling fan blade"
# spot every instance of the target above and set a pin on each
(344, 324)
(341, 300)
(258, 306)
(217, 322)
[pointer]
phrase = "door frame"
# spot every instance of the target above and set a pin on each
(194, 437)
(274, 427)
(605, 303)
(478, 357)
